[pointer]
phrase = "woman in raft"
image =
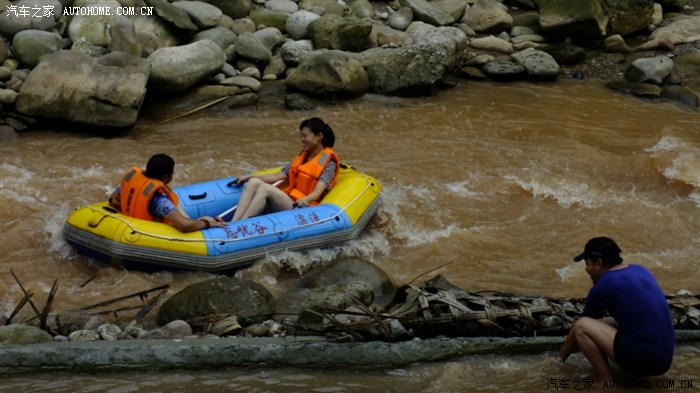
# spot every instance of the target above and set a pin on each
(311, 175)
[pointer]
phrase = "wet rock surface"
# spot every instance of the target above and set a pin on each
(422, 42)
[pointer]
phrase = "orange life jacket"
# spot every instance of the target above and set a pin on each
(303, 176)
(136, 192)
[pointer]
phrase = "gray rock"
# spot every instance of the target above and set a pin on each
(638, 89)
(401, 19)
(503, 70)
(252, 47)
(427, 12)
(326, 7)
(335, 32)
(84, 335)
(19, 334)
(4, 52)
(383, 35)
(203, 15)
(683, 30)
(337, 297)
(109, 332)
(325, 72)
(30, 45)
(450, 40)
(527, 38)
(300, 102)
(653, 69)
(271, 37)
(242, 81)
(5, 73)
(493, 44)
(275, 69)
(287, 6)
(177, 69)
(177, 16)
(228, 295)
(107, 91)
(178, 329)
(292, 51)
(11, 23)
(580, 20)
(8, 96)
(235, 9)
(298, 23)
(123, 33)
(538, 64)
(681, 94)
(487, 16)
(92, 28)
(361, 9)
(154, 33)
(377, 289)
(628, 16)
(408, 70)
(221, 36)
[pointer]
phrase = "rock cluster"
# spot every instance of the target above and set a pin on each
(94, 61)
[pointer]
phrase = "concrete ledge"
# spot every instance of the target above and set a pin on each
(314, 352)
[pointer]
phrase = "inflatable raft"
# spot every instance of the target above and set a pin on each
(101, 232)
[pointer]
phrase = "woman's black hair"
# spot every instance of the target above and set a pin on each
(318, 126)
(159, 166)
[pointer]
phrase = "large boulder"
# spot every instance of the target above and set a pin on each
(227, 295)
(14, 22)
(581, 20)
(628, 16)
(336, 32)
(102, 92)
(329, 72)
(340, 277)
(408, 70)
(450, 40)
(176, 69)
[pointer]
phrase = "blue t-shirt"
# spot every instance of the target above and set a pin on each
(632, 296)
(159, 206)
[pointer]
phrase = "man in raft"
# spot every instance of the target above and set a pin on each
(145, 194)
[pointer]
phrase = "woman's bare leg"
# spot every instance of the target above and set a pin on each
(251, 188)
(261, 195)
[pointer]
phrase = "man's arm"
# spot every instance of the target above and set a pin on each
(186, 224)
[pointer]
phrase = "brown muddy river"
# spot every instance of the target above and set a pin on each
(500, 183)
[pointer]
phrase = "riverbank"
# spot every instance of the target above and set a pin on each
(314, 352)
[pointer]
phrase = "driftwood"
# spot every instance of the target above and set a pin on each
(438, 308)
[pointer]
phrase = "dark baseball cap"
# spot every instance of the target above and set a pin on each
(600, 247)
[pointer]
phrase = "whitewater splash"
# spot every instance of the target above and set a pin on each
(677, 160)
